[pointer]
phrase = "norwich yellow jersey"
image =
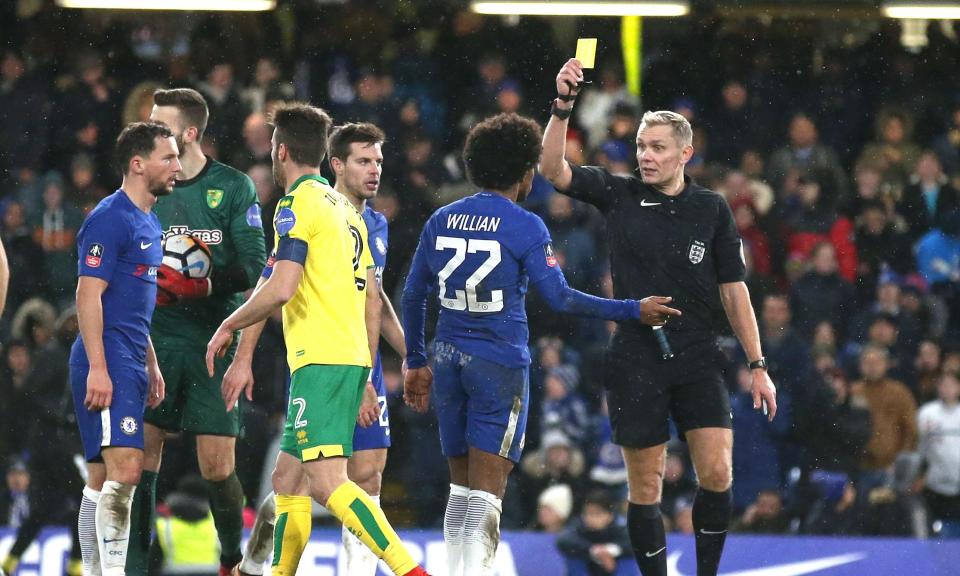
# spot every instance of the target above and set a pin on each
(324, 322)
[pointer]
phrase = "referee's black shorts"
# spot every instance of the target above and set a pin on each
(643, 390)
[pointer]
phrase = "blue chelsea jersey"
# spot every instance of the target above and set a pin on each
(378, 245)
(377, 239)
(479, 253)
(121, 244)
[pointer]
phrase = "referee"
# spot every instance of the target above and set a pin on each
(667, 235)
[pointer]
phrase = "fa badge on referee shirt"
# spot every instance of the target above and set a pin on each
(697, 250)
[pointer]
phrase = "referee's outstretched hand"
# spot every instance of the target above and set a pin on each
(416, 388)
(654, 312)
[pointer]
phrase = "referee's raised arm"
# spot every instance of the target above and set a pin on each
(553, 166)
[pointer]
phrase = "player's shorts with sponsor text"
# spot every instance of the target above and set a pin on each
(643, 390)
(120, 425)
(376, 435)
(322, 414)
(479, 403)
(193, 402)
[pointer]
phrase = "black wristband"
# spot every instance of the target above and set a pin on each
(560, 112)
(566, 97)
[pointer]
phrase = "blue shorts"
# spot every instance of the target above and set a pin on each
(479, 404)
(377, 435)
(122, 423)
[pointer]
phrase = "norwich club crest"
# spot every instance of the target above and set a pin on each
(214, 197)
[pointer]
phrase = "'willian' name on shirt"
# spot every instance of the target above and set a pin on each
(473, 222)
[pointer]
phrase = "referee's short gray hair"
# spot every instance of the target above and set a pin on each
(681, 126)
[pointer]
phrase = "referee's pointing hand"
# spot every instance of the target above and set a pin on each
(653, 311)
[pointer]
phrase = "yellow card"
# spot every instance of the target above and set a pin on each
(586, 51)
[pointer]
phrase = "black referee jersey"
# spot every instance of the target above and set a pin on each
(681, 246)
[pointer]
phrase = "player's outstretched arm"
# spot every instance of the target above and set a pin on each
(238, 379)
(736, 303)
(553, 165)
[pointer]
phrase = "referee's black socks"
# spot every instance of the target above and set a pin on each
(711, 519)
(647, 538)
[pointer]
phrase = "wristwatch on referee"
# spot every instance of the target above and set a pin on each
(761, 364)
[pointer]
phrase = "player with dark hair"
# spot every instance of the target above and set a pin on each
(322, 275)
(112, 363)
(357, 161)
(667, 234)
(481, 252)
(216, 205)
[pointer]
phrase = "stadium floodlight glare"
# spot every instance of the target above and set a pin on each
(583, 8)
(922, 10)
(211, 5)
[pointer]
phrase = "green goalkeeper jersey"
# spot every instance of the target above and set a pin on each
(219, 206)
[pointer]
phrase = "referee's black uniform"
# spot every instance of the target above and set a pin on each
(680, 246)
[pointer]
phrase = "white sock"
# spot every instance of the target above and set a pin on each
(481, 533)
(87, 530)
(113, 526)
(453, 519)
(261, 537)
(360, 560)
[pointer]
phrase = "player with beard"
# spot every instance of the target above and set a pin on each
(322, 276)
(357, 161)
(217, 205)
(481, 252)
(112, 363)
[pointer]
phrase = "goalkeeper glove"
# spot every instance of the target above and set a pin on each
(175, 287)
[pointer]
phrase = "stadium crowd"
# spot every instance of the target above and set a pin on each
(841, 165)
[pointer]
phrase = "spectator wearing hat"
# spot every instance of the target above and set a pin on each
(564, 409)
(558, 461)
(553, 508)
(615, 156)
(14, 500)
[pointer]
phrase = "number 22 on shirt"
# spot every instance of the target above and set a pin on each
(466, 299)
